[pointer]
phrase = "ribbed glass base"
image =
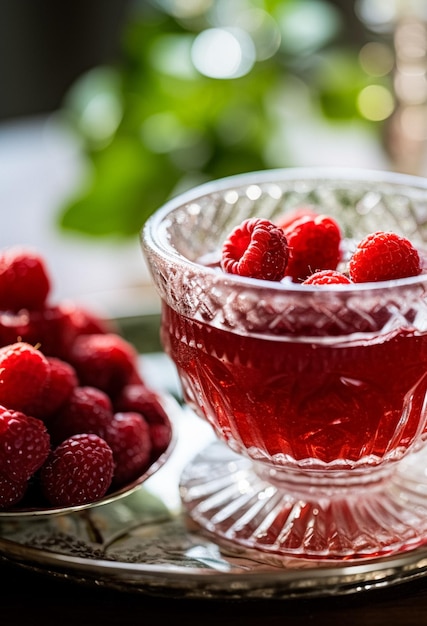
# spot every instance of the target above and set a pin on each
(307, 516)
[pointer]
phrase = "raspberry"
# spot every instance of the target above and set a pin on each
(78, 471)
(258, 249)
(46, 328)
(61, 384)
(287, 219)
(160, 435)
(106, 361)
(11, 492)
(129, 438)
(13, 327)
(24, 372)
(81, 321)
(76, 321)
(42, 327)
(384, 256)
(87, 410)
(24, 281)
(54, 328)
(141, 399)
(24, 444)
(327, 277)
(314, 244)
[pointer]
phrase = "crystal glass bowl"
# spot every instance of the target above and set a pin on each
(318, 393)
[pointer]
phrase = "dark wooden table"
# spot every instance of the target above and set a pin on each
(36, 598)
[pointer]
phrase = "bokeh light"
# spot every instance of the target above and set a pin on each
(306, 25)
(378, 15)
(263, 30)
(171, 54)
(185, 8)
(375, 103)
(211, 88)
(413, 120)
(223, 53)
(96, 100)
(411, 86)
(376, 58)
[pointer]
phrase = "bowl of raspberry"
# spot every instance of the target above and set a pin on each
(294, 306)
(79, 426)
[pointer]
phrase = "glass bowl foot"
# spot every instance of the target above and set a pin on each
(225, 495)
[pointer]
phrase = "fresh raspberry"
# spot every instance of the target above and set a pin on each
(160, 435)
(41, 327)
(46, 328)
(24, 281)
(13, 327)
(61, 384)
(24, 444)
(53, 327)
(141, 399)
(314, 244)
(106, 361)
(129, 438)
(78, 471)
(82, 321)
(11, 492)
(87, 410)
(24, 372)
(76, 321)
(258, 249)
(327, 277)
(384, 256)
(287, 219)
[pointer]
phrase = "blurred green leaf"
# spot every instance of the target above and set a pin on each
(126, 185)
(339, 79)
(153, 125)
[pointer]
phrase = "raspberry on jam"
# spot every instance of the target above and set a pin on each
(314, 244)
(327, 277)
(384, 256)
(257, 249)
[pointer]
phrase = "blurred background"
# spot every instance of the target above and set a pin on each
(108, 108)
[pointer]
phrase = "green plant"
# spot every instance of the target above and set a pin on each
(175, 111)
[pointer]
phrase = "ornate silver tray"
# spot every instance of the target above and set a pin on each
(143, 543)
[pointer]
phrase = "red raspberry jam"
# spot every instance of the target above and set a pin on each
(284, 400)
